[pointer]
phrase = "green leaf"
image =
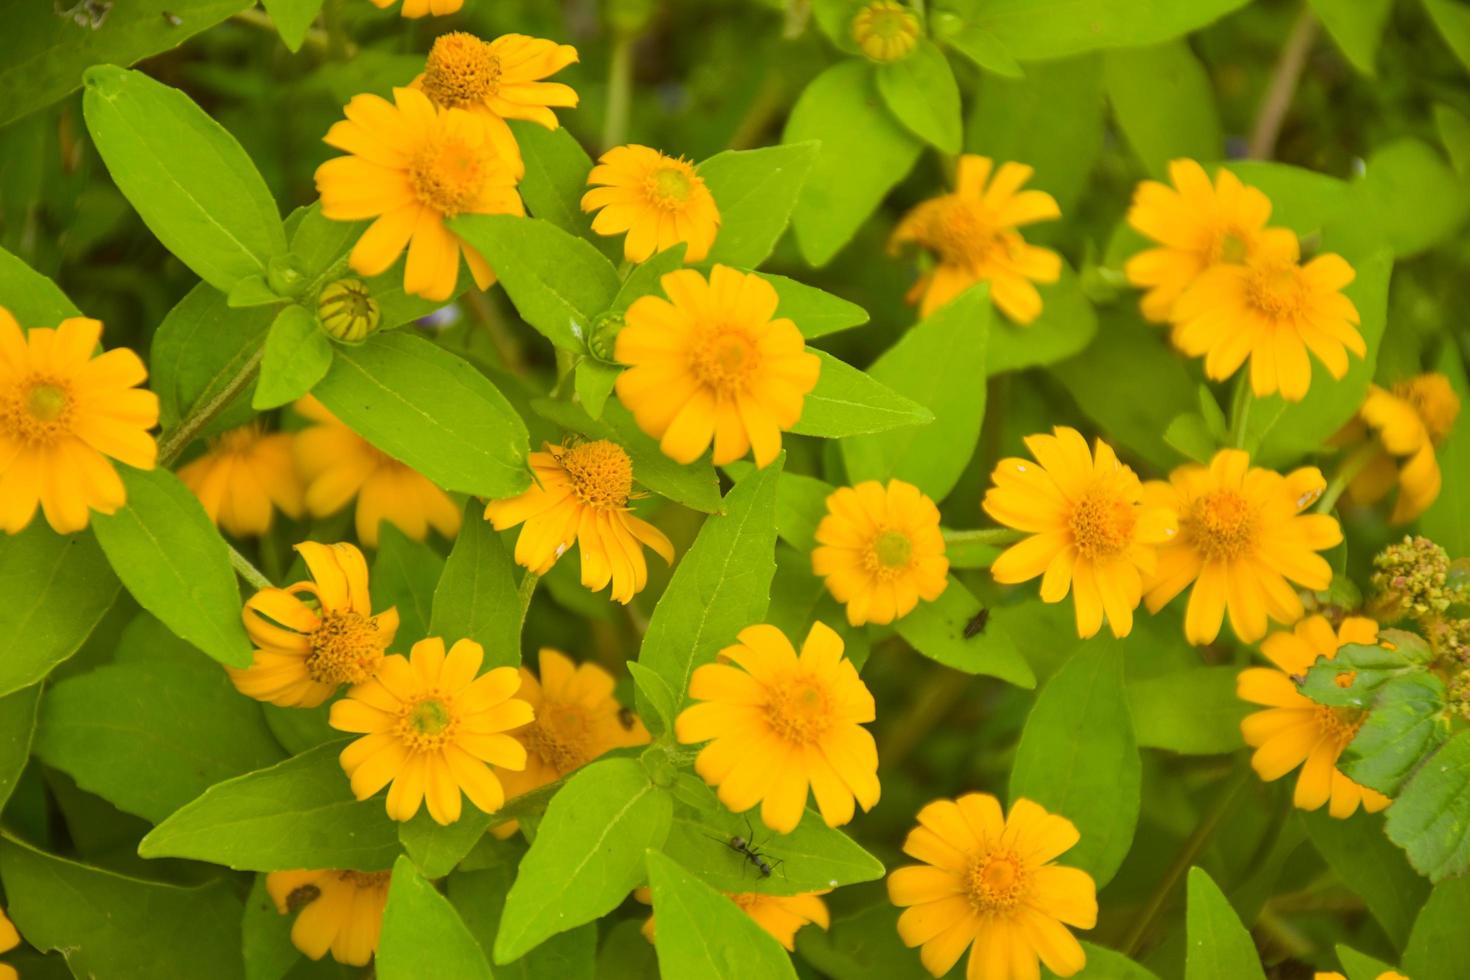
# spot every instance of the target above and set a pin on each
(405, 574)
(646, 278)
(423, 935)
(172, 559)
(755, 191)
(865, 152)
(46, 47)
(479, 896)
(1369, 665)
(1219, 946)
(435, 849)
(1356, 26)
(477, 596)
(559, 283)
(17, 728)
(815, 313)
(1410, 196)
(556, 178)
(252, 291)
(937, 630)
(265, 937)
(1106, 964)
(938, 364)
(1189, 435)
(426, 407)
(862, 941)
(321, 244)
(813, 857)
(1430, 819)
(587, 855)
(297, 356)
(718, 588)
(1164, 101)
(920, 90)
(201, 345)
(982, 48)
(1378, 872)
(297, 814)
(1454, 133)
(1360, 967)
(1039, 30)
(801, 503)
(594, 384)
(847, 402)
(293, 19)
(1066, 325)
(108, 925)
(1439, 945)
(1192, 712)
(1403, 728)
(1447, 521)
(1453, 22)
(1077, 757)
(59, 588)
(33, 299)
(624, 954)
(701, 933)
(186, 176)
(176, 718)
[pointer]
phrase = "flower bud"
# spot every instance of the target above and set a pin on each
(285, 276)
(604, 336)
(885, 30)
(348, 311)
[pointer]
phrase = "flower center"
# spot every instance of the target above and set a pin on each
(1275, 289)
(560, 736)
(997, 882)
(426, 723)
(460, 71)
(601, 474)
(668, 187)
(448, 174)
(888, 554)
(1229, 247)
(723, 358)
(799, 710)
(39, 411)
(885, 30)
(1339, 724)
(1434, 400)
(365, 879)
(1220, 524)
(345, 649)
(348, 310)
(1102, 523)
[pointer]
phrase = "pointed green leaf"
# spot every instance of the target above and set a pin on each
(423, 935)
(297, 356)
(556, 178)
(815, 313)
(1356, 26)
(479, 896)
(477, 595)
(755, 191)
(937, 630)
(920, 90)
(1193, 712)
(1440, 945)
(33, 299)
(1219, 946)
(293, 19)
(1430, 819)
(404, 575)
(17, 729)
(701, 933)
(202, 344)
(847, 402)
(1164, 101)
(1037, 30)
(1066, 325)
(1371, 866)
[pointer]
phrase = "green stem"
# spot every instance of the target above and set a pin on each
(1345, 475)
(172, 444)
(619, 92)
(989, 535)
(248, 571)
(527, 590)
(1240, 410)
(337, 43)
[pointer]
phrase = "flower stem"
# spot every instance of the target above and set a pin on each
(172, 445)
(1240, 410)
(987, 535)
(1345, 475)
(619, 91)
(246, 570)
(1282, 88)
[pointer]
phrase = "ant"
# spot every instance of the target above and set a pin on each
(748, 850)
(977, 625)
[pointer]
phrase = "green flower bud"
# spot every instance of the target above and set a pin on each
(285, 275)
(348, 311)
(604, 336)
(627, 17)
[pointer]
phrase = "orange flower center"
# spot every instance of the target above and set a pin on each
(1102, 523)
(888, 554)
(1275, 289)
(1339, 724)
(561, 736)
(1220, 525)
(724, 358)
(38, 411)
(961, 234)
(997, 882)
(669, 187)
(426, 723)
(460, 71)
(448, 174)
(1433, 400)
(365, 879)
(799, 710)
(345, 649)
(601, 474)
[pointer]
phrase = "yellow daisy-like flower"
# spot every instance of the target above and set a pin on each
(1090, 533)
(1296, 731)
(63, 412)
(577, 720)
(338, 465)
(782, 916)
(1242, 540)
(1271, 309)
(778, 724)
(711, 364)
(1407, 422)
(885, 31)
(880, 550)
(658, 200)
(9, 939)
(433, 728)
(243, 476)
(412, 166)
(419, 8)
(341, 911)
(1197, 226)
(580, 496)
(313, 637)
(973, 238)
(988, 885)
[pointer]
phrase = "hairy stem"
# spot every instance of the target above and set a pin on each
(173, 444)
(246, 570)
(987, 535)
(1345, 475)
(1282, 88)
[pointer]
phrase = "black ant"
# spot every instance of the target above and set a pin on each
(977, 625)
(749, 851)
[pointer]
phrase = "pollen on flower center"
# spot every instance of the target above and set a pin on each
(426, 723)
(448, 175)
(997, 882)
(1102, 523)
(1434, 401)
(799, 711)
(962, 236)
(723, 358)
(889, 553)
(1220, 524)
(1275, 289)
(39, 411)
(345, 649)
(601, 473)
(1339, 724)
(669, 187)
(561, 736)
(461, 71)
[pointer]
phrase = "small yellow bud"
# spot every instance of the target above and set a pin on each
(348, 311)
(885, 30)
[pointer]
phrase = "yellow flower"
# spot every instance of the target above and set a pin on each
(885, 30)
(972, 235)
(337, 465)
(412, 166)
(1089, 532)
(337, 910)
(1197, 226)
(305, 652)
(577, 720)
(1242, 539)
(580, 496)
(418, 8)
(658, 200)
(1295, 729)
(244, 474)
(710, 363)
(1271, 309)
(780, 915)
(1385, 975)
(880, 551)
(1407, 422)
(988, 884)
(9, 939)
(778, 724)
(433, 729)
(63, 412)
